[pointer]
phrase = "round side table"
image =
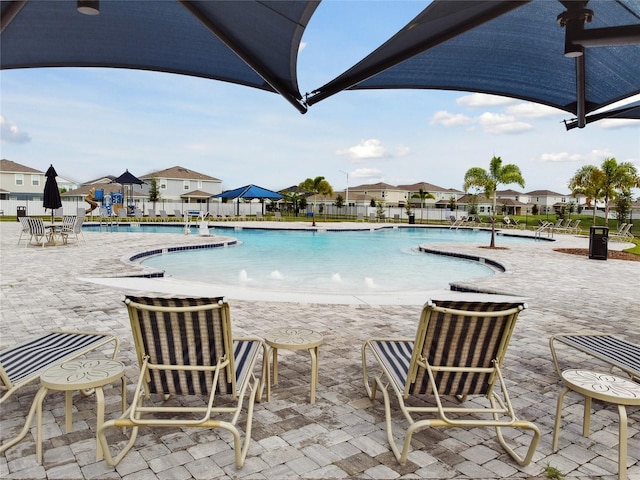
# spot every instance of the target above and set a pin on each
(294, 339)
(81, 374)
(607, 388)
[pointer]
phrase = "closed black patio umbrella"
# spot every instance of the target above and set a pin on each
(51, 198)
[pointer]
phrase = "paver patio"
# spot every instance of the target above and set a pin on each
(341, 435)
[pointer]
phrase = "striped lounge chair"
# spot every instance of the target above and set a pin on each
(457, 352)
(185, 348)
(23, 363)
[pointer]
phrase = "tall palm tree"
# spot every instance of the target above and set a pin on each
(618, 177)
(489, 181)
(422, 195)
(588, 181)
(316, 186)
(604, 183)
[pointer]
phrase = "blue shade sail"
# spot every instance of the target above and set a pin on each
(509, 48)
(247, 42)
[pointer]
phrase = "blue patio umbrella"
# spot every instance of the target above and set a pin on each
(249, 192)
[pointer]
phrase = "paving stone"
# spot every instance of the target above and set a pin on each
(344, 431)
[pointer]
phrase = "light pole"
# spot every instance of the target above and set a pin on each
(347, 190)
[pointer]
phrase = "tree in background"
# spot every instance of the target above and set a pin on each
(316, 186)
(422, 195)
(489, 181)
(618, 178)
(606, 183)
(154, 191)
(588, 181)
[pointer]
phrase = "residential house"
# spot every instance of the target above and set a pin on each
(378, 192)
(546, 201)
(179, 184)
(21, 182)
(441, 195)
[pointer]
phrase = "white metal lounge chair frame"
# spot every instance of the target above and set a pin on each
(155, 320)
(421, 375)
(25, 362)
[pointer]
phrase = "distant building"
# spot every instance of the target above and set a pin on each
(181, 184)
(21, 182)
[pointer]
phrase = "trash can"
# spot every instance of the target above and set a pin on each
(21, 212)
(598, 243)
(412, 219)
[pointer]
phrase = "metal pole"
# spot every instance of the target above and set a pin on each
(347, 190)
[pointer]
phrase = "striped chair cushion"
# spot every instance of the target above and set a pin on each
(244, 353)
(31, 358)
(616, 351)
(184, 339)
(395, 357)
(456, 340)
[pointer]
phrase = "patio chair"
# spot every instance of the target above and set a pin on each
(458, 351)
(38, 231)
(72, 226)
(24, 222)
(624, 233)
(22, 364)
(185, 348)
(152, 214)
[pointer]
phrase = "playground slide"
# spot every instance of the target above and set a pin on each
(90, 201)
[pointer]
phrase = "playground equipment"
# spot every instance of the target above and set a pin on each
(89, 198)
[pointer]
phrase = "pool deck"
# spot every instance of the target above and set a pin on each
(342, 435)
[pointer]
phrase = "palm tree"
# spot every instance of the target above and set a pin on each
(489, 181)
(618, 177)
(422, 195)
(588, 181)
(316, 186)
(604, 183)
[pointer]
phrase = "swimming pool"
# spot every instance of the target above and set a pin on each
(329, 262)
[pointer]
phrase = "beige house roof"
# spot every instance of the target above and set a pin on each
(373, 186)
(181, 173)
(547, 193)
(428, 187)
(8, 166)
(196, 194)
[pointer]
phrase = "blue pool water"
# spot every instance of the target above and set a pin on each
(345, 262)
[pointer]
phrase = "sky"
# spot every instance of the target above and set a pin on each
(93, 122)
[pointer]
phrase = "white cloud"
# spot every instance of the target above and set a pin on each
(533, 110)
(370, 173)
(594, 157)
(370, 148)
(302, 46)
(483, 100)
(498, 123)
(613, 123)
(450, 119)
(10, 133)
(559, 157)
(402, 151)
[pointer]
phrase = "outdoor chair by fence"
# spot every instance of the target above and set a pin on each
(23, 363)
(185, 348)
(38, 231)
(24, 222)
(72, 226)
(457, 352)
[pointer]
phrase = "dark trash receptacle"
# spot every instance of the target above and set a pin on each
(21, 212)
(598, 243)
(412, 219)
